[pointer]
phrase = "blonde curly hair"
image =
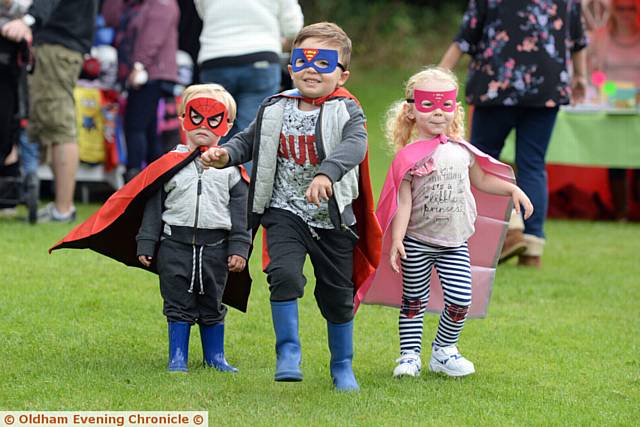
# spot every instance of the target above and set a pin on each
(400, 129)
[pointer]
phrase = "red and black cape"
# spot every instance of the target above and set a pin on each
(112, 229)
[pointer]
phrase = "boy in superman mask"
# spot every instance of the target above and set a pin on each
(310, 191)
(195, 227)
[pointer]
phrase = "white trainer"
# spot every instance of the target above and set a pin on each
(449, 361)
(409, 365)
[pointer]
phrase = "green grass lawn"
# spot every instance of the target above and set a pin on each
(559, 346)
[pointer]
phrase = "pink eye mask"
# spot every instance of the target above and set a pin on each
(427, 101)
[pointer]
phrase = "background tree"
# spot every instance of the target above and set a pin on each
(391, 32)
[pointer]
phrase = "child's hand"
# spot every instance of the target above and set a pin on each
(217, 157)
(236, 263)
(145, 260)
(320, 189)
(397, 248)
(519, 198)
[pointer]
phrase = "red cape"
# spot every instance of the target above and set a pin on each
(366, 254)
(384, 286)
(112, 229)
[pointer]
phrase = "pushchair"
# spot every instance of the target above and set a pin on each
(17, 186)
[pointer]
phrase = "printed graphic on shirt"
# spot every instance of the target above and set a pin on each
(443, 208)
(444, 196)
(298, 162)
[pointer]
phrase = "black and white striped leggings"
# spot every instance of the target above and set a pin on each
(454, 270)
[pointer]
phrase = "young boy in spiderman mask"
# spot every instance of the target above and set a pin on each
(195, 228)
(310, 190)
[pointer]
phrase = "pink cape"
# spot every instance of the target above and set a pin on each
(384, 286)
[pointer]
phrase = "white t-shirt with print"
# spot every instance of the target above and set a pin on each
(443, 208)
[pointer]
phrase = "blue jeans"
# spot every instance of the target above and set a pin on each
(29, 154)
(489, 129)
(249, 85)
(141, 125)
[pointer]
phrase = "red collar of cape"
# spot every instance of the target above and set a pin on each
(340, 92)
(112, 229)
(366, 254)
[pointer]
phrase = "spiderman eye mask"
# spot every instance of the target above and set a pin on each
(427, 101)
(209, 111)
(322, 60)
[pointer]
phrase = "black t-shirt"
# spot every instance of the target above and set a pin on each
(70, 23)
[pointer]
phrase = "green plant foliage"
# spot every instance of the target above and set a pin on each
(391, 32)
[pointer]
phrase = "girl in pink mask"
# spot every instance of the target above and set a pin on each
(428, 213)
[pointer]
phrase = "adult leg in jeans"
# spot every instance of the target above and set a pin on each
(533, 132)
(490, 128)
(154, 147)
(140, 119)
(260, 83)
(231, 79)
(249, 85)
(29, 154)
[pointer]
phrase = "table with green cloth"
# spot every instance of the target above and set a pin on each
(591, 138)
(583, 145)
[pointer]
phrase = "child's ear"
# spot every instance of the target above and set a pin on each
(181, 120)
(290, 71)
(408, 111)
(229, 126)
(343, 78)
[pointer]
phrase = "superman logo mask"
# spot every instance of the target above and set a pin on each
(321, 60)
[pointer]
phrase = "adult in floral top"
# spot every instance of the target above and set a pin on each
(521, 55)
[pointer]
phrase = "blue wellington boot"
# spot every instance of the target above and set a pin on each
(178, 346)
(288, 351)
(341, 347)
(213, 347)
